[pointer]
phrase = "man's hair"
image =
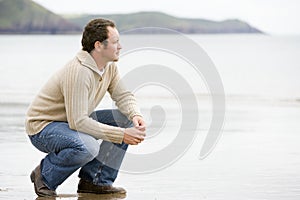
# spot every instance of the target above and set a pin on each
(95, 30)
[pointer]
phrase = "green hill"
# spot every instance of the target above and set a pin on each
(157, 19)
(26, 16)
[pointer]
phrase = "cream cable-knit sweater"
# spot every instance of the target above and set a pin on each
(73, 93)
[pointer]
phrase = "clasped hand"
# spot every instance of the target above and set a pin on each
(136, 134)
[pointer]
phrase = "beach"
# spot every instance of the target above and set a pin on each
(256, 157)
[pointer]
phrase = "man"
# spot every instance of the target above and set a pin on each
(62, 123)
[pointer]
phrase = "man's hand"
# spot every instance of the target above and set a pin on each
(138, 121)
(134, 135)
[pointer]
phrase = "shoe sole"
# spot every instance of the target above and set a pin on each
(93, 192)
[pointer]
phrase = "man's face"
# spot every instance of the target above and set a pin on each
(112, 47)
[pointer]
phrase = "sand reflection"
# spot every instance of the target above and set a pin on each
(85, 196)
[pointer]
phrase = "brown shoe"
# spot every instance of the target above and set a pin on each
(88, 187)
(39, 187)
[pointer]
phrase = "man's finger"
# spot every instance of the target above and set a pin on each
(136, 122)
(141, 128)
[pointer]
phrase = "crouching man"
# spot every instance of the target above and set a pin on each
(62, 121)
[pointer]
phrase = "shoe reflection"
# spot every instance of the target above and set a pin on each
(85, 196)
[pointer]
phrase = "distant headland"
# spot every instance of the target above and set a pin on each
(28, 17)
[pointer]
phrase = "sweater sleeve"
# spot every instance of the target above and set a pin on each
(123, 98)
(76, 86)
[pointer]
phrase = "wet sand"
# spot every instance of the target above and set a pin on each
(258, 157)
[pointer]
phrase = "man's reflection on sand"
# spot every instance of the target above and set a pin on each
(85, 196)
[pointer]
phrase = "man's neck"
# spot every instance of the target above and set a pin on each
(101, 63)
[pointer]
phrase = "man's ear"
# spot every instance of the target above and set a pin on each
(98, 46)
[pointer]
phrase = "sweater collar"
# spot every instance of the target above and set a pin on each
(87, 60)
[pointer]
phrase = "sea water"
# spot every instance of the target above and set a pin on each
(257, 156)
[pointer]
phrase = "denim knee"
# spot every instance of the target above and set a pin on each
(88, 150)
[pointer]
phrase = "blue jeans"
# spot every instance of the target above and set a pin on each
(68, 150)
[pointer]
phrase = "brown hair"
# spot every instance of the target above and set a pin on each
(95, 30)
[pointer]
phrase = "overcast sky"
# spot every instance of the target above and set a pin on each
(272, 16)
